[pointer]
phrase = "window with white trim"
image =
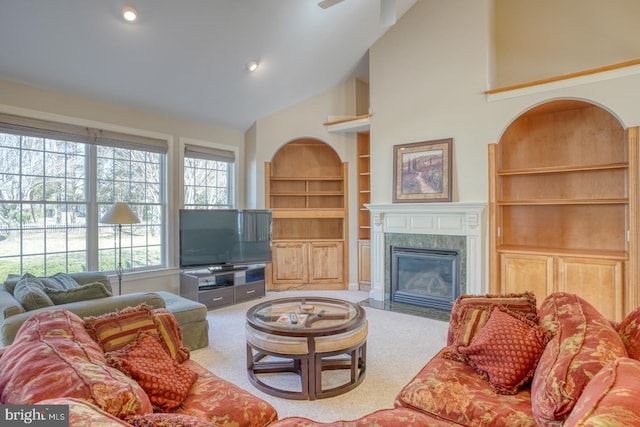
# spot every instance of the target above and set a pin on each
(57, 180)
(208, 178)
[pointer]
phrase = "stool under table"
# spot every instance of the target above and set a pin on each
(306, 336)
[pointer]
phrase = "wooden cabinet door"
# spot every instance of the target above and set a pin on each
(364, 263)
(289, 263)
(521, 272)
(325, 262)
(599, 281)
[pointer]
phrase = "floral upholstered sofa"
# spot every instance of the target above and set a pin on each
(510, 364)
(128, 367)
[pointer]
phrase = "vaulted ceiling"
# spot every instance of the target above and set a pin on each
(187, 58)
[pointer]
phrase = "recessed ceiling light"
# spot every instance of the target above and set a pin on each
(252, 66)
(129, 14)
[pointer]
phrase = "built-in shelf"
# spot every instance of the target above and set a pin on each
(351, 124)
(562, 202)
(546, 251)
(565, 169)
(592, 75)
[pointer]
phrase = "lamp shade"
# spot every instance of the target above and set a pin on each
(119, 213)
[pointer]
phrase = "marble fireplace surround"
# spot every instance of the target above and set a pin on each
(433, 219)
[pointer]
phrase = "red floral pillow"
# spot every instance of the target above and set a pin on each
(506, 350)
(165, 381)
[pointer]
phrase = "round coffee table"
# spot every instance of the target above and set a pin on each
(306, 336)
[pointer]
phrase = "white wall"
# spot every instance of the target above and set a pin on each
(427, 78)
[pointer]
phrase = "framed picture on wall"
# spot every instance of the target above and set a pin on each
(422, 171)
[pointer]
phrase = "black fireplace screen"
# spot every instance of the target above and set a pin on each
(425, 277)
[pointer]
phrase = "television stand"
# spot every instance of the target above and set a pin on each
(221, 286)
(219, 268)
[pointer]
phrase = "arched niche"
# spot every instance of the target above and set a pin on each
(307, 157)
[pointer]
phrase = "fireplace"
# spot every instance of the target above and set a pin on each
(425, 277)
(455, 226)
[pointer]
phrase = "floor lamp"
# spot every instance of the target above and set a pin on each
(119, 214)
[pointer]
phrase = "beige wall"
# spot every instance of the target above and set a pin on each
(536, 39)
(427, 78)
(305, 120)
(33, 102)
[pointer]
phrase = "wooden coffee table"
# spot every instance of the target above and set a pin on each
(306, 336)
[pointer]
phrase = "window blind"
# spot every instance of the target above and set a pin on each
(18, 125)
(206, 153)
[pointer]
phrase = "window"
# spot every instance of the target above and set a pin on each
(56, 182)
(208, 178)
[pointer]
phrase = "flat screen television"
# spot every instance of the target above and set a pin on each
(225, 237)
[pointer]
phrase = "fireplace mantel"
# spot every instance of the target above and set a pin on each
(450, 219)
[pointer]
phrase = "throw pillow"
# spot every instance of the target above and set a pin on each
(59, 281)
(506, 350)
(116, 329)
(65, 281)
(80, 293)
(524, 303)
(629, 331)
(166, 382)
(470, 320)
(170, 334)
(29, 292)
(11, 282)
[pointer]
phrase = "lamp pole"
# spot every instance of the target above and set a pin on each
(119, 214)
(119, 269)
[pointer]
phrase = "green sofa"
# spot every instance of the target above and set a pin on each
(16, 309)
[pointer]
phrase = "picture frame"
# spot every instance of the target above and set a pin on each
(422, 171)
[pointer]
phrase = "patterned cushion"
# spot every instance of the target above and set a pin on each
(381, 418)
(584, 341)
(629, 331)
(451, 390)
(611, 397)
(167, 420)
(220, 402)
(506, 350)
(165, 381)
(170, 334)
(80, 293)
(29, 291)
(53, 356)
(116, 329)
(470, 320)
(524, 303)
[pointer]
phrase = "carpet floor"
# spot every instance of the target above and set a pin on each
(398, 346)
